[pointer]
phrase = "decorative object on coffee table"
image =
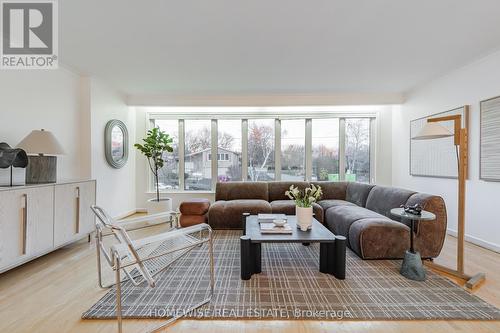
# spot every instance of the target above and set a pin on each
(116, 143)
(12, 158)
(155, 144)
(332, 255)
(41, 168)
(193, 211)
(303, 201)
(412, 267)
(432, 130)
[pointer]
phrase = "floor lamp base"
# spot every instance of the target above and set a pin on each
(470, 281)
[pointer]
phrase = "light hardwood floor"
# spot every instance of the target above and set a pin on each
(50, 293)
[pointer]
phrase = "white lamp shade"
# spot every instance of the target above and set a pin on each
(432, 131)
(41, 142)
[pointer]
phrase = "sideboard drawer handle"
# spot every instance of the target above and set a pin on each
(25, 222)
(77, 229)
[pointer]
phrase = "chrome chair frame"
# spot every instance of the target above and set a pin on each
(125, 255)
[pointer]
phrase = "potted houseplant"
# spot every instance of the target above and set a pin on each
(304, 200)
(155, 144)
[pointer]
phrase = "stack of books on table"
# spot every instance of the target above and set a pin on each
(269, 218)
(267, 225)
(271, 228)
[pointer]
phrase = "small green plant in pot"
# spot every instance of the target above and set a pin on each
(154, 145)
(304, 200)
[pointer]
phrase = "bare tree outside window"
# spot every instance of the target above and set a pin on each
(260, 149)
(357, 149)
(293, 150)
(197, 165)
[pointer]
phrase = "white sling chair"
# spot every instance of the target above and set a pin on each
(141, 259)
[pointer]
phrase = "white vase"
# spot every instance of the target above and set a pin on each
(154, 207)
(304, 217)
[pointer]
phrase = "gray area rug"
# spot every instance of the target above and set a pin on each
(291, 287)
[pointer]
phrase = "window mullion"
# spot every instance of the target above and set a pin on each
(277, 149)
(342, 150)
(244, 149)
(372, 155)
(215, 152)
(308, 150)
(182, 141)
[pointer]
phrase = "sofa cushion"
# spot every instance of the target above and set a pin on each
(241, 190)
(277, 189)
(283, 207)
(288, 207)
(379, 238)
(227, 214)
(382, 199)
(339, 219)
(325, 204)
(357, 193)
(332, 190)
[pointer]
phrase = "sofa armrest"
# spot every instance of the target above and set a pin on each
(430, 235)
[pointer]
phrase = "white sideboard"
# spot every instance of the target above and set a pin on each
(37, 219)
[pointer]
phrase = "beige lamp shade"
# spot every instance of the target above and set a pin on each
(432, 131)
(41, 142)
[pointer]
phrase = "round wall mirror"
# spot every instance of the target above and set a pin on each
(116, 143)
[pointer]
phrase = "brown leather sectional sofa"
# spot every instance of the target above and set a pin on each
(360, 212)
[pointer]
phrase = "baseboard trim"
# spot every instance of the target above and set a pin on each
(476, 241)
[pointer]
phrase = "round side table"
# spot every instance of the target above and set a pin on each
(412, 267)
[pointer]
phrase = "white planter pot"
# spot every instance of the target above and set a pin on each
(155, 207)
(304, 217)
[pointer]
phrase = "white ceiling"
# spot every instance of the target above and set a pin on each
(228, 47)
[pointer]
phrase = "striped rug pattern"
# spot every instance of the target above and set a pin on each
(291, 287)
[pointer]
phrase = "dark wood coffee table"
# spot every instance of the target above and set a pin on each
(332, 248)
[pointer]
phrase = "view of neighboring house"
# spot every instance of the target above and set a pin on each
(198, 166)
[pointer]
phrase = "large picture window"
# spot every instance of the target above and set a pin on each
(261, 149)
(257, 148)
(293, 160)
(168, 176)
(229, 150)
(357, 150)
(197, 147)
(325, 149)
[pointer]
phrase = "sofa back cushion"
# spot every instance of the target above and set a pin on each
(332, 190)
(277, 189)
(357, 193)
(382, 199)
(241, 190)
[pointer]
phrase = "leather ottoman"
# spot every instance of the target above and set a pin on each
(193, 211)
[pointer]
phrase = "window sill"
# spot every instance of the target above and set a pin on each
(182, 192)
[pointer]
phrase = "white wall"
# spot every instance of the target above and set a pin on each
(76, 110)
(468, 85)
(116, 187)
(49, 99)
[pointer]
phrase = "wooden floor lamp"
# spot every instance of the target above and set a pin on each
(433, 130)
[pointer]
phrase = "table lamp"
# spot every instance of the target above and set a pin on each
(433, 130)
(41, 168)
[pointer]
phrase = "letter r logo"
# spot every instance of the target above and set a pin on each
(27, 27)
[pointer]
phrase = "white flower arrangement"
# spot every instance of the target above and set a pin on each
(304, 198)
